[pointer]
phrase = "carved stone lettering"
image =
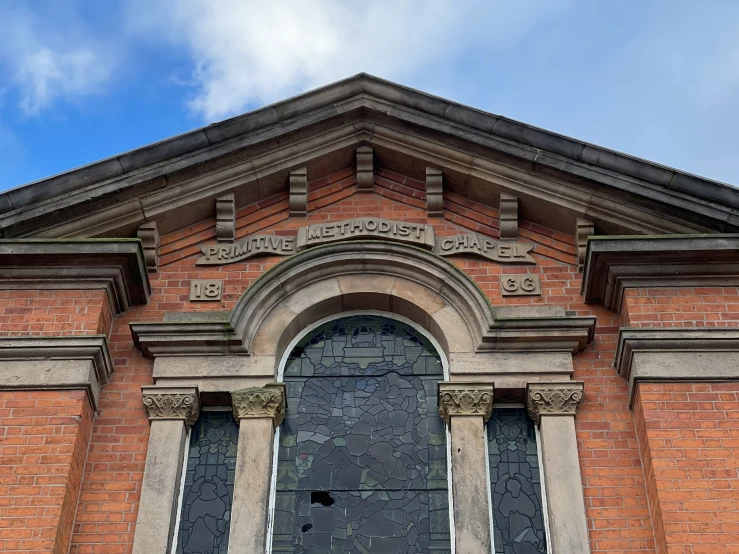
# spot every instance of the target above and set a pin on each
(465, 399)
(553, 399)
(219, 254)
(480, 245)
(171, 403)
(267, 401)
(366, 227)
(520, 285)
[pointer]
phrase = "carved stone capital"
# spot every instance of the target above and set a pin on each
(171, 403)
(267, 401)
(465, 399)
(553, 399)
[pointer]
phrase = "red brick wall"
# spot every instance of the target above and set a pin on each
(615, 493)
(54, 312)
(689, 435)
(681, 307)
(44, 437)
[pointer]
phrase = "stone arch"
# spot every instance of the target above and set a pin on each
(362, 275)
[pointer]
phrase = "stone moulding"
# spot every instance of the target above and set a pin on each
(465, 399)
(553, 399)
(182, 403)
(362, 259)
(613, 264)
(160, 176)
(74, 362)
(114, 265)
(260, 402)
(677, 355)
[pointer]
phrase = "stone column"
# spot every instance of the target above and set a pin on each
(259, 412)
(467, 407)
(553, 407)
(170, 410)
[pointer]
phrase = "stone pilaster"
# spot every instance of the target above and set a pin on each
(467, 407)
(553, 406)
(259, 411)
(170, 410)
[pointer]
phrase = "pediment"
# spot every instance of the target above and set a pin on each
(556, 179)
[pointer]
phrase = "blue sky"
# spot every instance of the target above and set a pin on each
(83, 80)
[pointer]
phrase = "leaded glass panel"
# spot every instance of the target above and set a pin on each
(362, 455)
(209, 481)
(515, 483)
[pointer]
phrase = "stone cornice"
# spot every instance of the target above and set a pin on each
(675, 355)
(553, 399)
(268, 401)
(114, 265)
(215, 338)
(122, 192)
(40, 363)
(614, 264)
(179, 403)
(465, 399)
(569, 333)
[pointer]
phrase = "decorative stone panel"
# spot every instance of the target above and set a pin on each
(260, 402)
(553, 399)
(171, 403)
(465, 399)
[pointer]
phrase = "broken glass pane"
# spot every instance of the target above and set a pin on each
(362, 457)
(515, 483)
(206, 502)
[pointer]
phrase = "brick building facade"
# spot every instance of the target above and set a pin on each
(190, 294)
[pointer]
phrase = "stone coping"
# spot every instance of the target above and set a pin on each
(615, 263)
(108, 182)
(39, 363)
(677, 355)
(115, 265)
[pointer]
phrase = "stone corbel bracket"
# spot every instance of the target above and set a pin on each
(149, 236)
(365, 169)
(114, 265)
(56, 363)
(299, 192)
(268, 401)
(583, 230)
(171, 403)
(465, 399)
(226, 218)
(613, 264)
(508, 216)
(675, 355)
(434, 192)
(553, 399)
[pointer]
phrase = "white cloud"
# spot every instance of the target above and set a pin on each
(252, 52)
(46, 63)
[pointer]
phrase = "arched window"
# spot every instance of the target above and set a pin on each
(362, 461)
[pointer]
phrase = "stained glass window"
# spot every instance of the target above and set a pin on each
(362, 454)
(515, 482)
(205, 516)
